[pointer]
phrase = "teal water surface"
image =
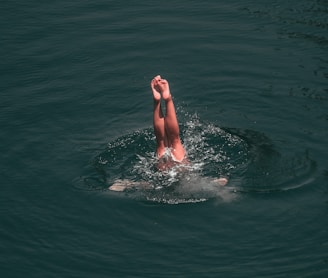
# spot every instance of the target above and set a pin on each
(249, 80)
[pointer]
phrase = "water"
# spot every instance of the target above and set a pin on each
(249, 79)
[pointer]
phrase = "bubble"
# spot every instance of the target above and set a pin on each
(246, 158)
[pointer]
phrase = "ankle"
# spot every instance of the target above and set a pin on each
(168, 99)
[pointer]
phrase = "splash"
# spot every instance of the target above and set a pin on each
(247, 158)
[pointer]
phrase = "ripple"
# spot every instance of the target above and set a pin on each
(247, 158)
(270, 171)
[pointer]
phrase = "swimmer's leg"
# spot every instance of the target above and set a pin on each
(158, 119)
(172, 130)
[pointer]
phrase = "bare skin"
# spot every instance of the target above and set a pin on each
(166, 128)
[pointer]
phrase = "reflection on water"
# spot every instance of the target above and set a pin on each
(247, 158)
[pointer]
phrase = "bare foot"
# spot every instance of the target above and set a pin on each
(165, 88)
(155, 88)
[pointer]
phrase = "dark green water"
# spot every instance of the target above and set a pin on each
(249, 80)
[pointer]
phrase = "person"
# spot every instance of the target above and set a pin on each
(169, 150)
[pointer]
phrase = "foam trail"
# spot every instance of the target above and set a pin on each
(204, 188)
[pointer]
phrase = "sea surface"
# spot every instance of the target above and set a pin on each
(250, 85)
